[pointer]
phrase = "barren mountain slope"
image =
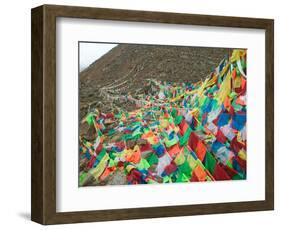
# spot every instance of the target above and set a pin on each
(127, 67)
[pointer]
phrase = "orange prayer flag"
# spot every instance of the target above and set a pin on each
(105, 174)
(201, 150)
(135, 156)
(199, 174)
(175, 149)
(147, 135)
(227, 103)
(240, 102)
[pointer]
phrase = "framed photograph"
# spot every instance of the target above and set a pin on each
(141, 114)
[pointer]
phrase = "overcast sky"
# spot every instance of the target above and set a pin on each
(90, 52)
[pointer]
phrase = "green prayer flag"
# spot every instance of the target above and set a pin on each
(152, 159)
(185, 137)
(90, 119)
(210, 163)
(232, 95)
(111, 163)
(182, 178)
(82, 177)
(170, 143)
(143, 164)
(239, 177)
(186, 169)
(178, 120)
(228, 163)
(174, 112)
(167, 179)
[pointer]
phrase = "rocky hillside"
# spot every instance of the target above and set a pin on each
(126, 68)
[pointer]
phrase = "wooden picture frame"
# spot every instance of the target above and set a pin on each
(43, 208)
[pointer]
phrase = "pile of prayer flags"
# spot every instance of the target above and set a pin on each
(179, 132)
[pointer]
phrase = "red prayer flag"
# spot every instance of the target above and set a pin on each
(241, 162)
(193, 141)
(170, 168)
(220, 173)
(220, 136)
(99, 148)
(183, 127)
